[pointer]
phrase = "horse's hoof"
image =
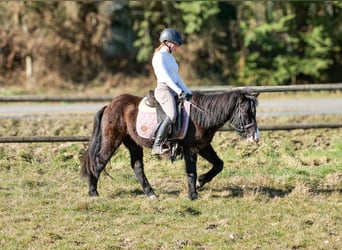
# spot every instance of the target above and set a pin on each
(153, 197)
(93, 193)
(193, 196)
(201, 181)
(200, 184)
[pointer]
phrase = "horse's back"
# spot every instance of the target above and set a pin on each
(120, 113)
(121, 104)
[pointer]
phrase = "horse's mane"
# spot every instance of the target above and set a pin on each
(214, 110)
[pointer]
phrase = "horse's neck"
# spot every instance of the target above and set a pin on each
(214, 111)
(225, 108)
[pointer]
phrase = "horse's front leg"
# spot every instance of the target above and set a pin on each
(191, 173)
(210, 155)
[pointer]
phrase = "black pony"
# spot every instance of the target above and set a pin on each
(116, 123)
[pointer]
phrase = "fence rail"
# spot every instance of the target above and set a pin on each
(261, 89)
(290, 88)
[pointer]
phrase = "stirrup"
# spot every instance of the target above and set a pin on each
(159, 150)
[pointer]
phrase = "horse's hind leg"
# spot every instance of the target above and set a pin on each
(92, 182)
(108, 147)
(210, 155)
(137, 165)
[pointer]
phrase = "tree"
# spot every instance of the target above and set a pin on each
(238, 43)
(287, 48)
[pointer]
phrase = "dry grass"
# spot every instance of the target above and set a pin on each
(284, 193)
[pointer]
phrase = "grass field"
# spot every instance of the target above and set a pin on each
(285, 193)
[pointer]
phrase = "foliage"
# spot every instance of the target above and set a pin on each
(156, 16)
(278, 53)
(56, 39)
(238, 43)
(195, 14)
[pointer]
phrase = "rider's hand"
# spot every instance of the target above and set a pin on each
(184, 96)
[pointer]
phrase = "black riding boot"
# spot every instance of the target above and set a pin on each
(163, 130)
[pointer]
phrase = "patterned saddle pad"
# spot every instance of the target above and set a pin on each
(147, 121)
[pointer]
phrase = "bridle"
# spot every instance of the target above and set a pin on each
(242, 126)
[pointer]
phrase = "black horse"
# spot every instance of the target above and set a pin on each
(116, 123)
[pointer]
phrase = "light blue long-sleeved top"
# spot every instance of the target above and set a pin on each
(166, 70)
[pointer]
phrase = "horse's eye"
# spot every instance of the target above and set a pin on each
(245, 108)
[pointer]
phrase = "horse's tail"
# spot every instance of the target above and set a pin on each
(88, 159)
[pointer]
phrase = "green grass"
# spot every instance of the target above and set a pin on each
(285, 193)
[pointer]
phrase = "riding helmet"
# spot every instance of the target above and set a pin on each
(171, 35)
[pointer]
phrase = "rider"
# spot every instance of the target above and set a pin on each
(169, 83)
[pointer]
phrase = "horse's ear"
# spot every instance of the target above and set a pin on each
(255, 93)
(251, 92)
(241, 98)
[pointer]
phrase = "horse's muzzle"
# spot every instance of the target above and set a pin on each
(254, 137)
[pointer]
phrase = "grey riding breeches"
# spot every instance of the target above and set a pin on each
(166, 98)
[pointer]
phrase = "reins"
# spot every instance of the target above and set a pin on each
(199, 109)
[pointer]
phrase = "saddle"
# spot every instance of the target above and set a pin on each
(151, 114)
